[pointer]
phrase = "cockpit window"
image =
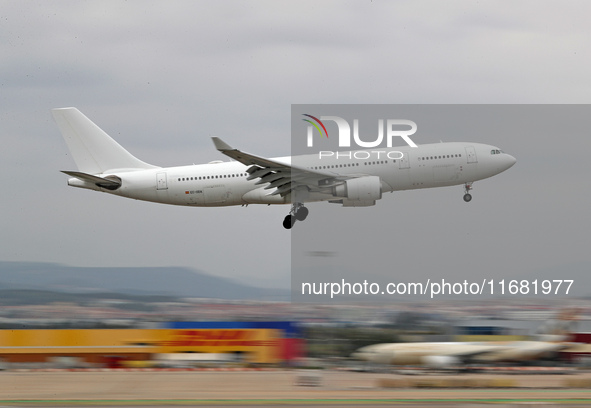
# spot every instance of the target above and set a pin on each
(496, 151)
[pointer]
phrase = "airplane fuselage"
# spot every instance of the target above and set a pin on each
(225, 183)
(448, 354)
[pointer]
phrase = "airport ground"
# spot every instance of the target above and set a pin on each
(275, 388)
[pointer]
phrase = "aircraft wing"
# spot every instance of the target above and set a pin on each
(282, 176)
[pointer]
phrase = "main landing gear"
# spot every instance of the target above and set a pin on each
(467, 195)
(298, 213)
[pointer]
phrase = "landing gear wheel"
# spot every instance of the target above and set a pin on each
(289, 221)
(301, 213)
(467, 195)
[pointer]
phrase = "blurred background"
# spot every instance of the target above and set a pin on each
(87, 325)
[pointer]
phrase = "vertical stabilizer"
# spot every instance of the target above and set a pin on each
(93, 150)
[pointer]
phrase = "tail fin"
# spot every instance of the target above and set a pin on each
(93, 150)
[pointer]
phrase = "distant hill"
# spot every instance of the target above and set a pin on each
(160, 281)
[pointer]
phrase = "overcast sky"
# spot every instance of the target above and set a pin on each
(162, 77)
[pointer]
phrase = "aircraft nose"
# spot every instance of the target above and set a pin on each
(510, 161)
(505, 162)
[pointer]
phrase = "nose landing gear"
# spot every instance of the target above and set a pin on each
(298, 213)
(467, 195)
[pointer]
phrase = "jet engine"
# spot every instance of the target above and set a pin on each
(357, 203)
(365, 189)
(439, 362)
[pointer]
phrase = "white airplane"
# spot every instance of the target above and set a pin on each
(103, 165)
(551, 338)
(455, 354)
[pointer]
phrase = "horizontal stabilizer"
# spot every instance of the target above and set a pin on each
(109, 182)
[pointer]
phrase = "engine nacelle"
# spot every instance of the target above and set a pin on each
(366, 189)
(358, 203)
(440, 361)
